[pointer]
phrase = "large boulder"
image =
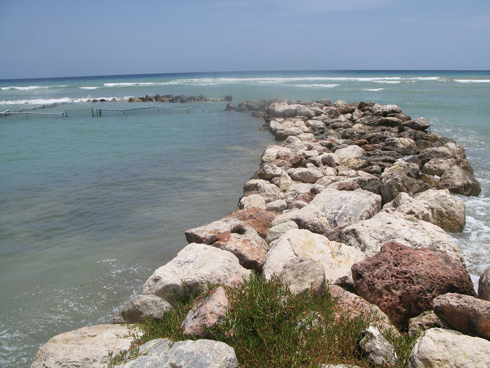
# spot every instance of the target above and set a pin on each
(342, 208)
(370, 235)
(397, 182)
(447, 211)
(206, 314)
(352, 151)
(142, 307)
(403, 281)
(163, 353)
(464, 313)
(85, 347)
(192, 268)
(303, 274)
(308, 217)
(234, 236)
(449, 349)
(335, 258)
(259, 219)
(460, 181)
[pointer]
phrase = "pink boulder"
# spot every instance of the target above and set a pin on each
(402, 281)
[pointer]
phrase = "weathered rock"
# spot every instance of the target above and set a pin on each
(438, 166)
(268, 171)
(335, 258)
(85, 347)
(193, 267)
(163, 353)
(350, 151)
(306, 175)
(252, 200)
(403, 281)
(447, 211)
(263, 188)
(352, 306)
(377, 348)
(384, 110)
(408, 206)
(423, 322)
(330, 159)
(408, 168)
(144, 306)
(460, 182)
(308, 217)
(370, 235)
(464, 313)
(484, 285)
(259, 219)
(283, 182)
(206, 314)
(277, 231)
(407, 145)
(397, 182)
(346, 207)
(449, 349)
(276, 206)
(417, 124)
(271, 153)
(303, 274)
(234, 236)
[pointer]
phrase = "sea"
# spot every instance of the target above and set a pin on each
(91, 205)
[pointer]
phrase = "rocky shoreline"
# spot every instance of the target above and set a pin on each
(356, 202)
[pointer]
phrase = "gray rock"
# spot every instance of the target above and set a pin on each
(484, 285)
(350, 151)
(193, 267)
(460, 181)
(330, 159)
(384, 110)
(277, 231)
(196, 354)
(377, 348)
(346, 207)
(308, 217)
(303, 274)
(409, 206)
(370, 235)
(449, 349)
(306, 175)
(85, 347)
(447, 211)
(277, 206)
(438, 166)
(335, 258)
(144, 306)
(425, 321)
(397, 182)
(252, 200)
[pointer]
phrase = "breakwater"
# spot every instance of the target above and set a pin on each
(343, 172)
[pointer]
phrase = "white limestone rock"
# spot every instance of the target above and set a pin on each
(87, 347)
(449, 349)
(370, 235)
(335, 258)
(193, 267)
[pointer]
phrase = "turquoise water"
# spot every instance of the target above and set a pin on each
(89, 207)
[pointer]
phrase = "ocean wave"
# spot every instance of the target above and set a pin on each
(134, 84)
(315, 85)
(373, 89)
(472, 80)
(47, 101)
(89, 87)
(31, 88)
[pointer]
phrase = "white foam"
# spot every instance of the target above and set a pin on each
(89, 87)
(30, 88)
(47, 101)
(472, 80)
(373, 89)
(315, 85)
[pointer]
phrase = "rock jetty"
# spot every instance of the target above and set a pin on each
(177, 99)
(354, 200)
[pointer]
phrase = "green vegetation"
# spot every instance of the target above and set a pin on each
(269, 327)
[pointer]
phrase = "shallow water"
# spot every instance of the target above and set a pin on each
(89, 207)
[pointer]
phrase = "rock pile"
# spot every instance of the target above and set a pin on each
(177, 99)
(355, 202)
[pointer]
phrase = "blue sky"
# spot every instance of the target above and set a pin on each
(62, 38)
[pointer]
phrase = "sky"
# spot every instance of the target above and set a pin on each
(60, 38)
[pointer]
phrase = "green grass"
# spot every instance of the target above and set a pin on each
(270, 328)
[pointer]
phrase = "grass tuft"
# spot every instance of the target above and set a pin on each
(268, 327)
